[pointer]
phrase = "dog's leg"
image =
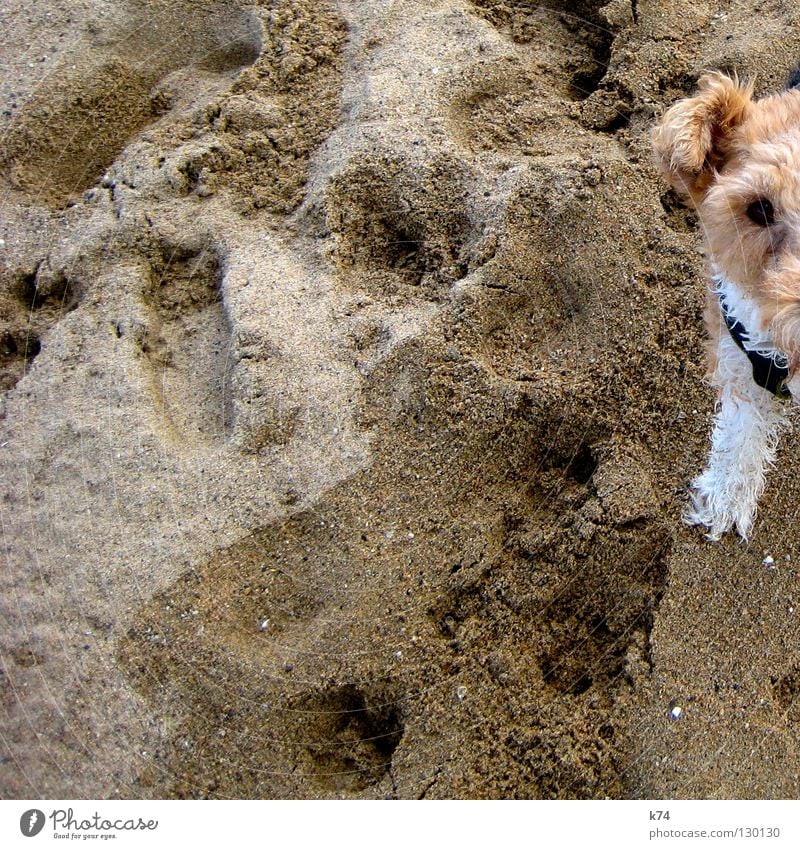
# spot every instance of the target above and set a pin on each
(747, 425)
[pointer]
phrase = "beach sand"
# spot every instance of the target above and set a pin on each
(352, 371)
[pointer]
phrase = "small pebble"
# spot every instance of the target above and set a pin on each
(769, 560)
(461, 693)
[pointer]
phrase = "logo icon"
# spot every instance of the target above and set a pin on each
(31, 822)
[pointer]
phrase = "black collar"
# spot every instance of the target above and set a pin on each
(766, 373)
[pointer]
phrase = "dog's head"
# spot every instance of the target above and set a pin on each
(738, 159)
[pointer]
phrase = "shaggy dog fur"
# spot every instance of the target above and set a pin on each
(738, 160)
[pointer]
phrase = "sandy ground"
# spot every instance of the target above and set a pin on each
(351, 359)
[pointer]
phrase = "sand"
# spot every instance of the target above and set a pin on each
(352, 371)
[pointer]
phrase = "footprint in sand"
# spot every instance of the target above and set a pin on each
(90, 106)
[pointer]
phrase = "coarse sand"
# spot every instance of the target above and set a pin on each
(351, 360)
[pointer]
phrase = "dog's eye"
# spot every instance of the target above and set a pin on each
(761, 212)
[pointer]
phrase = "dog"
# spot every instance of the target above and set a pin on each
(737, 160)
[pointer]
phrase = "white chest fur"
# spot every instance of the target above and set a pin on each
(747, 423)
(747, 312)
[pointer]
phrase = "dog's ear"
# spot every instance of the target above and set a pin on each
(693, 138)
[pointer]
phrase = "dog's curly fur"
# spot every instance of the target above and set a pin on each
(738, 160)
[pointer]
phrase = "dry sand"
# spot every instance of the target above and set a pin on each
(352, 371)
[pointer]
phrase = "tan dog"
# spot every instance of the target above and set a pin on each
(738, 160)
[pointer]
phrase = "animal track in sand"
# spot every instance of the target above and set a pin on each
(552, 79)
(399, 226)
(31, 302)
(786, 692)
(351, 736)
